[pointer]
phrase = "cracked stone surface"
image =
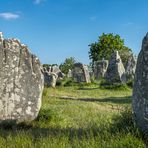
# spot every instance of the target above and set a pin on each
(140, 91)
(21, 82)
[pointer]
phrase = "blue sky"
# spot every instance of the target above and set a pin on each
(57, 29)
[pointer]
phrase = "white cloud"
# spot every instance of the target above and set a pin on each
(38, 1)
(9, 16)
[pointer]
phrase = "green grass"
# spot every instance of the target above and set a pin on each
(78, 117)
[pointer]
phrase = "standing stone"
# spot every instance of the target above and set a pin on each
(1, 37)
(51, 75)
(69, 75)
(50, 79)
(140, 91)
(55, 69)
(49, 69)
(53, 79)
(100, 68)
(46, 77)
(81, 73)
(115, 72)
(21, 82)
(131, 67)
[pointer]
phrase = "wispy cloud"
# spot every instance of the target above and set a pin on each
(38, 1)
(92, 18)
(9, 16)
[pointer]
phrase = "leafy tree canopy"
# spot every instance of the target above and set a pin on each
(106, 45)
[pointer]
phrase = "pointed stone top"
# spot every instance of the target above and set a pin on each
(115, 54)
(1, 36)
(146, 34)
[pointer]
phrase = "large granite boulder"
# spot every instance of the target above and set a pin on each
(131, 67)
(100, 68)
(140, 91)
(80, 73)
(21, 82)
(115, 72)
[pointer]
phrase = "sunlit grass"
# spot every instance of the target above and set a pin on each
(77, 117)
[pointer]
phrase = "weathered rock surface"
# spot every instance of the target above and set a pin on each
(131, 67)
(80, 73)
(140, 91)
(100, 68)
(115, 72)
(21, 82)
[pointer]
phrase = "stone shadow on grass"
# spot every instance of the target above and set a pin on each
(122, 124)
(116, 100)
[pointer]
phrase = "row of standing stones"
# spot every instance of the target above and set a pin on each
(113, 71)
(22, 80)
(79, 73)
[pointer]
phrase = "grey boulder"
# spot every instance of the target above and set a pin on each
(115, 72)
(140, 90)
(100, 68)
(21, 82)
(80, 73)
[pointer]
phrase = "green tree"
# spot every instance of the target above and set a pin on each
(68, 64)
(106, 45)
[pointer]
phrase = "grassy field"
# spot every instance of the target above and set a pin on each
(78, 117)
